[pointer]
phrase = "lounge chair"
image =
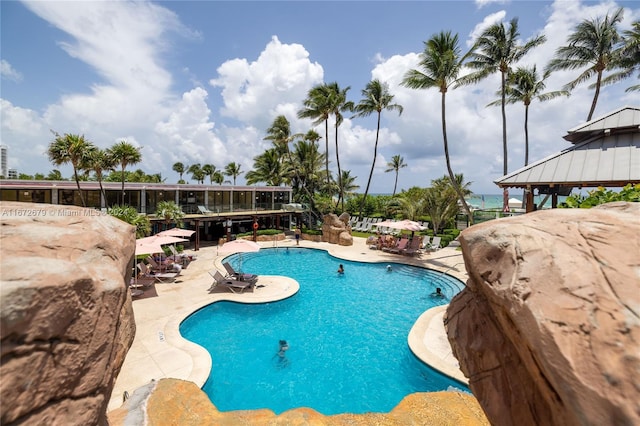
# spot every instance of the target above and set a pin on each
(234, 285)
(435, 244)
(204, 210)
(164, 266)
(160, 277)
(232, 273)
(425, 242)
(413, 248)
(402, 244)
(180, 257)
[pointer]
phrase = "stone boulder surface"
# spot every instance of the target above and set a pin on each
(66, 316)
(179, 402)
(336, 230)
(548, 328)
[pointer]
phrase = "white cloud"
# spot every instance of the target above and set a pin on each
(486, 22)
(483, 3)
(8, 72)
(281, 75)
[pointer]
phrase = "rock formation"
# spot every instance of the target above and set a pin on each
(66, 314)
(336, 230)
(178, 402)
(548, 328)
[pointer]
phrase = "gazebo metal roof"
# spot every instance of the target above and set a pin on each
(606, 152)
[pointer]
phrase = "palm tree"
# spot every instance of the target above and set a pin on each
(55, 175)
(441, 62)
(170, 212)
(629, 55)
(348, 185)
(496, 50)
(267, 168)
(308, 161)
(339, 104)
(180, 169)
(100, 161)
(593, 44)
(71, 149)
(523, 86)
(396, 163)
(197, 173)
(131, 216)
(317, 107)
(209, 170)
(441, 202)
(232, 169)
(218, 177)
(125, 154)
(375, 98)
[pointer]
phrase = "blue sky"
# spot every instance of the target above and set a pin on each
(201, 81)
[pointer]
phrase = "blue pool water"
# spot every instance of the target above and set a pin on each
(347, 336)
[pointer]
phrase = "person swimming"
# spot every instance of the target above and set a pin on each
(389, 268)
(437, 293)
(340, 269)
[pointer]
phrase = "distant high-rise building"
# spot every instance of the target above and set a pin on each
(4, 160)
(12, 174)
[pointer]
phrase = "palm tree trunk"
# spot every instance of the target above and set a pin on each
(326, 150)
(452, 177)
(595, 96)
(75, 175)
(122, 195)
(104, 194)
(340, 198)
(505, 168)
(373, 165)
(395, 185)
(526, 150)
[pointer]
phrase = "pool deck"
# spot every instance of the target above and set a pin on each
(158, 351)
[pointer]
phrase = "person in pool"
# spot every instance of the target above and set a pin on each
(438, 293)
(284, 346)
(340, 269)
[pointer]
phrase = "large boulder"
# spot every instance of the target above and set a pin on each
(548, 328)
(178, 402)
(336, 230)
(66, 315)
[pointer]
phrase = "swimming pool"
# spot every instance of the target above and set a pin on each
(347, 336)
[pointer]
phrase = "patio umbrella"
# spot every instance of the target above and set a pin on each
(239, 246)
(147, 248)
(177, 232)
(406, 225)
(160, 239)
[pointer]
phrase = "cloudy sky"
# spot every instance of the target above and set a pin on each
(201, 81)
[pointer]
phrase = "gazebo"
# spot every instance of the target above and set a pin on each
(605, 152)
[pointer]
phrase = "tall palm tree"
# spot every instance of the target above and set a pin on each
(593, 44)
(629, 56)
(375, 98)
(308, 160)
(317, 107)
(180, 169)
(124, 154)
(523, 86)
(100, 161)
(71, 149)
(232, 169)
(441, 63)
(496, 50)
(339, 104)
(396, 163)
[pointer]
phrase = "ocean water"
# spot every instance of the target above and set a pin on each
(494, 201)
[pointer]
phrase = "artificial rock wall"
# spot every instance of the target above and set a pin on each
(66, 317)
(548, 327)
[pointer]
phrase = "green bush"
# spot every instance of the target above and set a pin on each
(312, 231)
(260, 232)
